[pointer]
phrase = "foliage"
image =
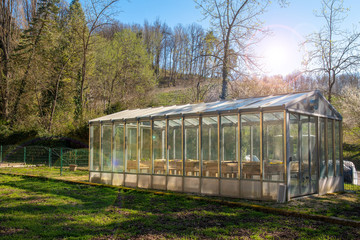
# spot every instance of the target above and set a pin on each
(176, 97)
(62, 64)
(35, 208)
(351, 152)
(348, 104)
(251, 87)
(124, 69)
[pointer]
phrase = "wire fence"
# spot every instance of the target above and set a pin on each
(40, 155)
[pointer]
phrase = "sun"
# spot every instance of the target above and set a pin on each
(276, 59)
(279, 52)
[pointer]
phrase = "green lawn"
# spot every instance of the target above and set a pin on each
(344, 205)
(49, 172)
(47, 209)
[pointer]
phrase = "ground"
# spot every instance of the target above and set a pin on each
(48, 209)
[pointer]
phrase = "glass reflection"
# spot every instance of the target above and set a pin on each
(175, 147)
(106, 147)
(95, 148)
(273, 146)
(118, 148)
(209, 153)
(192, 164)
(159, 146)
(131, 152)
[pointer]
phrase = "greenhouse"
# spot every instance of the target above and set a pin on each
(268, 148)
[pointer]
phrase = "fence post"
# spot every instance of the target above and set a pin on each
(49, 157)
(75, 156)
(61, 161)
(24, 155)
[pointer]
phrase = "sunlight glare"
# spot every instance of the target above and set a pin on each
(280, 52)
(276, 59)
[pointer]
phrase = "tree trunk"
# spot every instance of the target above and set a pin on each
(6, 46)
(332, 79)
(5, 88)
(225, 73)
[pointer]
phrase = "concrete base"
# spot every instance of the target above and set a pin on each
(248, 189)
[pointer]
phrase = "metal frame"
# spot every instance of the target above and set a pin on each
(201, 147)
(333, 144)
(219, 150)
(124, 151)
(285, 157)
(239, 147)
(341, 149)
(318, 153)
(326, 148)
(261, 152)
(112, 147)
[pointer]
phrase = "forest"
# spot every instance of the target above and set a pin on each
(62, 64)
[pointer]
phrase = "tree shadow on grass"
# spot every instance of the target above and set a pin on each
(97, 197)
(157, 216)
(51, 209)
(345, 205)
(89, 212)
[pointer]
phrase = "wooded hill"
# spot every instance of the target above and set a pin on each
(63, 64)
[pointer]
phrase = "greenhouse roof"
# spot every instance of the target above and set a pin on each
(312, 103)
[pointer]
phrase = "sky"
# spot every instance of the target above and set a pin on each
(289, 25)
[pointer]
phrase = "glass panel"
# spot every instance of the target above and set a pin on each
(118, 149)
(287, 99)
(250, 146)
(131, 135)
(229, 149)
(330, 147)
(159, 146)
(313, 156)
(145, 138)
(295, 156)
(175, 147)
(95, 148)
(192, 164)
(273, 146)
(322, 148)
(337, 147)
(209, 141)
(305, 167)
(106, 134)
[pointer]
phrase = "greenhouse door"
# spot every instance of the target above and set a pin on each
(303, 169)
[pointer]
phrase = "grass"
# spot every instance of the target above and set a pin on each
(49, 172)
(343, 205)
(37, 208)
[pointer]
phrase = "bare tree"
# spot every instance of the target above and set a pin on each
(7, 45)
(332, 50)
(98, 14)
(235, 23)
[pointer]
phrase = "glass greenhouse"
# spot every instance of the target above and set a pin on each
(254, 148)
